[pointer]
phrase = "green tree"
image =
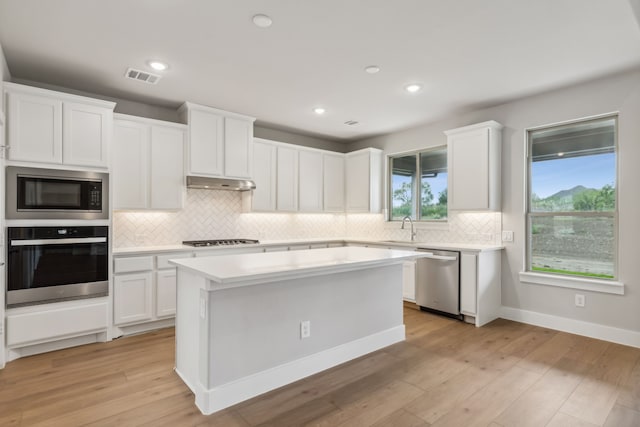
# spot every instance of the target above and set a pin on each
(442, 197)
(595, 200)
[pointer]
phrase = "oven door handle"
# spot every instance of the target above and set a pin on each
(69, 241)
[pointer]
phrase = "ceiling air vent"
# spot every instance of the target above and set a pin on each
(350, 123)
(142, 76)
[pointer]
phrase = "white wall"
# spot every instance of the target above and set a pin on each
(4, 76)
(621, 93)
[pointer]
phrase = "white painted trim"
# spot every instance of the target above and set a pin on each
(586, 284)
(30, 350)
(223, 396)
(573, 326)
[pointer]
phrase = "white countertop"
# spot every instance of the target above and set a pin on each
(245, 269)
(266, 243)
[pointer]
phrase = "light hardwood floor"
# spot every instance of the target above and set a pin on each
(447, 373)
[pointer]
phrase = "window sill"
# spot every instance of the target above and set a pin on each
(583, 283)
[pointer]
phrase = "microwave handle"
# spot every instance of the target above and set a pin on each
(40, 242)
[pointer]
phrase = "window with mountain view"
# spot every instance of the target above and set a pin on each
(418, 185)
(572, 199)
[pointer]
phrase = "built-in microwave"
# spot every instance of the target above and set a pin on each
(35, 193)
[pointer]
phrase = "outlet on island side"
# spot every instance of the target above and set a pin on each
(580, 300)
(305, 329)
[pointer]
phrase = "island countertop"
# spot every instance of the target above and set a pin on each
(226, 271)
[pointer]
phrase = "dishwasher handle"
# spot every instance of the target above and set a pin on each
(442, 257)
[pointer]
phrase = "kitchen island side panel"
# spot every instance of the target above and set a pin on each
(255, 328)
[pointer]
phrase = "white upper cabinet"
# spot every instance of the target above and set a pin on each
(206, 139)
(238, 137)
(148, 163)
(310, 181)
(333, 182)
(86, 134)
(474, 166)
(219, 142)
(167, 171)
(130, 169)
(263, 198)
(364, 180)
(287, 179)
(45, 126)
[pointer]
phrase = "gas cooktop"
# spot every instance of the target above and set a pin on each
(221, 242)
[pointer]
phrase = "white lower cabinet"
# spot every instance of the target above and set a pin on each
(409, 281)
(132, 298)
(166, 293)
(480, 285)
(144, 288)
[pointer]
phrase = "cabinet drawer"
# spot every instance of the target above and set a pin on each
(162, 261)
(126, 265)
(54, 324)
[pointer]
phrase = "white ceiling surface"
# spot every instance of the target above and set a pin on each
(466, 53)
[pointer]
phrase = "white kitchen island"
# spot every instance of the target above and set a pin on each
(239, 317)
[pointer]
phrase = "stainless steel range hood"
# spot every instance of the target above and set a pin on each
(220, 183)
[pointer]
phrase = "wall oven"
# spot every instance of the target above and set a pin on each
(35, 193)
(49, 264)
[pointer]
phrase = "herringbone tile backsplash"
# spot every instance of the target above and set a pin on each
(211, 214)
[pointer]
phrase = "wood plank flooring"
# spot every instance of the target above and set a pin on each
(446, 373)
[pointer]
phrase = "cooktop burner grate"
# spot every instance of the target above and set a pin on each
(221, 242)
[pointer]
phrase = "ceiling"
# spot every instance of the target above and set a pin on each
(466, 54)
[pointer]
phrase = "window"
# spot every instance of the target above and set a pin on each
(572, 223)
(418, 185)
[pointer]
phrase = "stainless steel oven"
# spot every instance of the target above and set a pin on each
(48, 264)
(35, 193)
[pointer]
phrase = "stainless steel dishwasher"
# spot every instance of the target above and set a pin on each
(438, 282)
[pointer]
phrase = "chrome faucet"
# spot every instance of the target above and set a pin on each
(413, 233)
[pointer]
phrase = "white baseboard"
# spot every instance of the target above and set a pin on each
(578, 327)
(223, 396)
(141, 328)
(16, 353)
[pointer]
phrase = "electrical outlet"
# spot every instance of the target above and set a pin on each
(507, 236)
(580, 300)
(305, 329)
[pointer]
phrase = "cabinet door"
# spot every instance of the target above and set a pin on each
(264, 175)
(34, 125)
(358, 182)
(130, 175)
(167, 173)
(287, 179)
(132, 298)
(206, 136)
(409, 281)
(86, 134)
(468, 283)
(469, 171)
(166, 293)
(310, 181)
(333, 185)
(238, 141)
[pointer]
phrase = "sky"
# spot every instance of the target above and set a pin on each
(550, 176)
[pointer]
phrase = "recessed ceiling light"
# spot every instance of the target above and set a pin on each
(262, 21)
(372, 69)
(158, 66)
(319, 110)
(413, 87)
(560, 154)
